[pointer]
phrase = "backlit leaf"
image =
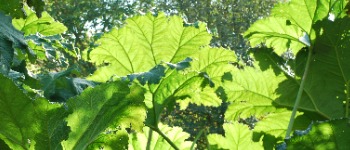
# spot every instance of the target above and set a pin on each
(111, 105)
(138, 141)
(45, 25)
(145, 42)
(237, 137)
(290, 23)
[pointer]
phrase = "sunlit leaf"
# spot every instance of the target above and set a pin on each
(145, 42)
(45, 25)
(111, 140)
(111, 105)
(237, 137)
(138, 141)
(290, 23)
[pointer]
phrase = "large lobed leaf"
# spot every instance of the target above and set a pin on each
(26, 123)
(172, 59)
(111, 105)
(145, 42)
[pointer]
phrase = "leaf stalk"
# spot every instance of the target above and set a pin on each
(300, 92)
(164, 136)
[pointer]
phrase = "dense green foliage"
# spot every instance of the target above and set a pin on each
(155, 62)
(225, 19)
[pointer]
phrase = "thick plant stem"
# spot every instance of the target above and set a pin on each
(165, 137)
(300, 92)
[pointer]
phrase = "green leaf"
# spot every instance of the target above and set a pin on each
(111, 105)
(196, 84)
(333, 134)
(10, 38)
(328, 69)
(58, 87)
(54, 128)
(25, 122)
(111, 140)
(252, 91)
(49, 47)
(138, 141)
(275, 33)
(44, 25)
(290, 26)
(272, 84)
(147, 41)
(237, 136)
(274, 124)
(12, 8)
(144, 42)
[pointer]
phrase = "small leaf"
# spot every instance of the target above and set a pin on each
(45, 25)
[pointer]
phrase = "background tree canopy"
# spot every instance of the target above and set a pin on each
(226, 19)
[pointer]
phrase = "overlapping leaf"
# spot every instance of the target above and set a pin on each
(138, 141)
(10, 38)
(328, 70)
(274, 124)
(237, 136)
(109, 105)
(111, 140)
(332, 134)
(290, 27)
(252, 91)
(195, 84)
(275, 32)
(44, 25)
(24, 121)
(43, 37)
(149, 41)
(58, 87)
